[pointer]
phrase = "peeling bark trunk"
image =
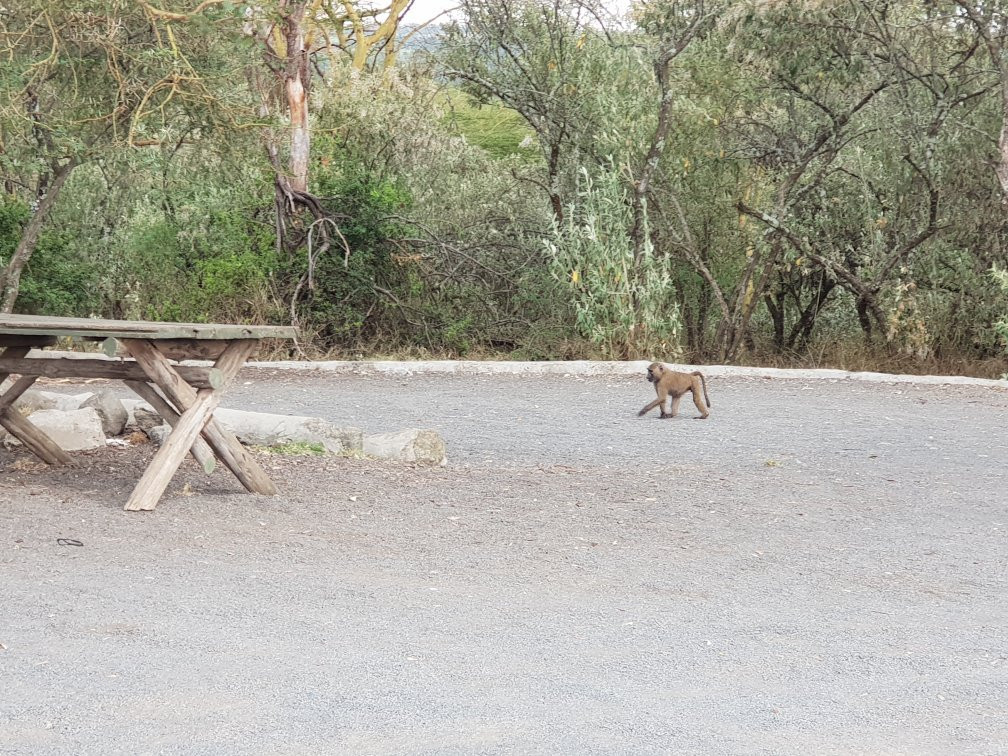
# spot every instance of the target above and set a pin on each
(1002, 166)
(297, 82)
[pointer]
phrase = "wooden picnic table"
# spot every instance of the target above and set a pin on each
(185, 396)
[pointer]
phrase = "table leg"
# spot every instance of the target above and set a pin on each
(17, 388)
(20, 427)
(202, 453)
(159, 472)
(224, 444)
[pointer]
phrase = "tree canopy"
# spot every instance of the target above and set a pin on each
(787, 181)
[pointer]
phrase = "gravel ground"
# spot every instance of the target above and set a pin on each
(819, 567)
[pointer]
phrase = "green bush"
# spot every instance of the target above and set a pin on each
(343, 307)
(13, 214)
(1001, 326)
(626, 307)
(58, 280)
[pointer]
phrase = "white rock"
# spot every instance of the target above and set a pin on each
(111, 410)
(412, 445)
(131, 406)
(34, 400)
(263, 429)
(73, 430)
(159, 434)
(145, 418)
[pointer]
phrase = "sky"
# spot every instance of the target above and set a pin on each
(424, 10)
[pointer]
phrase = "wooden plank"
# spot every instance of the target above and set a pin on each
(12, 353)
(12, 394)
(173, 349)
(68, 367)
(192, 349)
(200, 451)
(227, 448)
(38, 325)
(162, 467)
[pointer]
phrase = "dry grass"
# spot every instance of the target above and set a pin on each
(856, 357)
(851, 355)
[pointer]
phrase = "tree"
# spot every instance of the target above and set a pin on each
(541, 58)
(78, 85)
(821, 140)
(990, 21)
(366, 33)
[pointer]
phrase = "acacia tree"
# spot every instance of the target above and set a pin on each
(367, 34)
(990, 21)
(77, 85)
(297, 41)
(842, 201)
(539, 58)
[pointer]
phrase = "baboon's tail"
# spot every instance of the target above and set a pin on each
(704, 384)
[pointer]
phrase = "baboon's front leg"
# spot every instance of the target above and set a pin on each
(675, 406)
(660, 401)
(650, 406)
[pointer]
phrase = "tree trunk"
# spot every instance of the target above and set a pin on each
(802, 330)
(775, 304)
(1002, 166)
(297, 80)
(10, 278)
(556, 201)
(864, 319)
(638, 234)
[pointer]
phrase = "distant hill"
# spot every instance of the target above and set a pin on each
(426, 40)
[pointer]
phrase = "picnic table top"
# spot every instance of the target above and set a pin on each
(44, 325)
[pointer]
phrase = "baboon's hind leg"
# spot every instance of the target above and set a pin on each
(697, 392)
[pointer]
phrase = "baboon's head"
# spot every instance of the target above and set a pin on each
(654, 372)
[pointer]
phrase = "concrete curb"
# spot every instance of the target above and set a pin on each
(604, 368)
(579, 368)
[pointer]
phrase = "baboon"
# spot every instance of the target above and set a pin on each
(668, 382)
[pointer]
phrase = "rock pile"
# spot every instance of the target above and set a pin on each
(89, 421)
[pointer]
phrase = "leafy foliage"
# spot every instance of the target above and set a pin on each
(725, 181)
(628, 309)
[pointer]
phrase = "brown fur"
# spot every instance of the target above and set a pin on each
(668, 382)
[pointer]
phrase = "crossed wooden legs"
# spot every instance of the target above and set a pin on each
(189, 411)
(196, 408)
(20, 427)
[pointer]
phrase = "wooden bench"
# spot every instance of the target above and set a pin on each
(184, 396)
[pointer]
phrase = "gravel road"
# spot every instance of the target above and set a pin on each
(820, 567)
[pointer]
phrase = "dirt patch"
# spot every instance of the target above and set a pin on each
(817, 563)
